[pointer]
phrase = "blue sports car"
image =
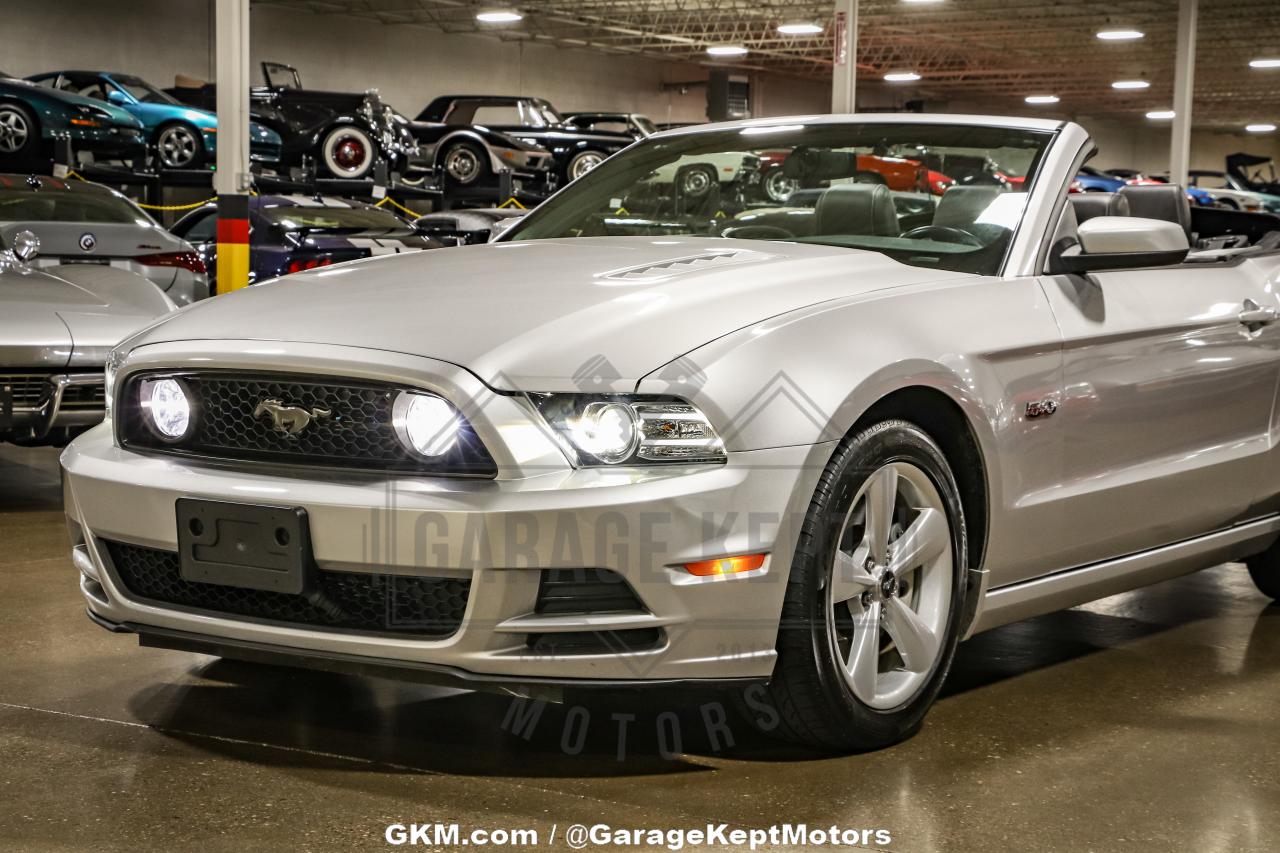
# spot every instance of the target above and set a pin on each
(184, 137)
(31, 117)
(292, 233)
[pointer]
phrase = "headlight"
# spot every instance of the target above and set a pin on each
(166, 407)
(425, 423)
(617, 429)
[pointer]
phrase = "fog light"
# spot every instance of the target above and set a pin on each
(725, 565)
(425, 423)
(608, 431)
(167, 407)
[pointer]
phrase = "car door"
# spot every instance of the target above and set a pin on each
(1169, 376)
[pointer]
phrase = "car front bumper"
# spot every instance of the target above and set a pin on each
(502, 535)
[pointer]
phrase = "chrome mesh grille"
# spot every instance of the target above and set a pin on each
(30, 390)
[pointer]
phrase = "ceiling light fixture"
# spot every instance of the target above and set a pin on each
(1264, 63)
(1260, 128)
(1161, 115)
(499, 16)
(727, 50)
(1041, 99)
(799, 29)
(1120, 35)
(901, 76)
(1130, 84)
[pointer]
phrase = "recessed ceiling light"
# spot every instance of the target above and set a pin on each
(1130, 84)
(1259, 128)
(499, 16)
(799, 29)
(901, 76)
(1120, 35)
(727, 50)
(1160, 115)
(1041, 99)
(1264, 63)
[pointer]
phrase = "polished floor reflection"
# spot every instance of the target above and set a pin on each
(1149, 721)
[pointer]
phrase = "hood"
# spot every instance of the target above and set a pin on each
(49, 319)
(534, 315)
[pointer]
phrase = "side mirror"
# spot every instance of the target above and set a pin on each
(25, 246)
(116, 97)
(1123, 242)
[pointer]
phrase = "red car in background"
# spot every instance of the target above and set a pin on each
(899, 173)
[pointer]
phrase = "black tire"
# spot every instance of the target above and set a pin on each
(583, 162)
(1264, 568)
(179, 146)
(19, 131)
(464, 164)
(813, 703)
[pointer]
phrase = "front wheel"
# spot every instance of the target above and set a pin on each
(348, 152)
(583, 162)
(179, 146)
(18, 132)
(869, 623)
(464, 165)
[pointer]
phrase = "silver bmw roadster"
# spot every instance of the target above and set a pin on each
(651, 436)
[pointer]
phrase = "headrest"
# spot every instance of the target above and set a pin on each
(857, 209)
(1089, 205)
(811, 164)
(1159, 201)
(960, 207)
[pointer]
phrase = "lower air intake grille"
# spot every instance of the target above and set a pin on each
(421, 606)
(585, 591)
(29, 390)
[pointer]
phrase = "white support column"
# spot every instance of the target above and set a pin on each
(1183, 86)
(232, 72)
(845, 70)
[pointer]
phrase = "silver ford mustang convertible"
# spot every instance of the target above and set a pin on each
(648, 437)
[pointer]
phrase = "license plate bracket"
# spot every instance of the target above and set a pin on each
(244, 545)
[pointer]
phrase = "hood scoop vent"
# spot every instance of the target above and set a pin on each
(663, 270)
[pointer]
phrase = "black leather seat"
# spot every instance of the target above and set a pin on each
(1089, 205)
(857, 209)
(1159, 201)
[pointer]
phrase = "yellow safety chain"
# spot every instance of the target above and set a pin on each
(512, 202)
(389, 200)
(72, 173)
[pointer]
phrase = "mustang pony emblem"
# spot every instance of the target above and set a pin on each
(289, 420)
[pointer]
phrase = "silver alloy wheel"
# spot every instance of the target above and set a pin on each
(888, 597)
(583, 163)
(178, 146)
(778, 187)
(462, 164)
(14, 130)
(696, 183)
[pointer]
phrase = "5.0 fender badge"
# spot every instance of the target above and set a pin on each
(1042, 408)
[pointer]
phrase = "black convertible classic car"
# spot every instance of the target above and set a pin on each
(531, 120)
(347, 133)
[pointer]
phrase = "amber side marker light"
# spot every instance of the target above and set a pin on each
(725, 565)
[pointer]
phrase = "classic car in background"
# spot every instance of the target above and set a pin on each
(32, 116)
(534, 121)
(1231, 190)
(182, 136)
(291, 233)
(57, 326)
(466, 227)
(346, 133)
(1091, 179)
(1259, 179)
(635, 125)
(473, 156)
(904, 174)
(90, 224)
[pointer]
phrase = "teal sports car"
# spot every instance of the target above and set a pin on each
(32, 117)
(183, 137)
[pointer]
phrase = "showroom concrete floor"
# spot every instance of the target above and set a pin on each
(1145, 722)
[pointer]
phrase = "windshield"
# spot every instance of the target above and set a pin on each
(931, 195)
(645, 124)
(341, 219)
(65, 206)
(547, 113)
(143, 91)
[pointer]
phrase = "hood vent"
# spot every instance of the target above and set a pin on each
(668, 269)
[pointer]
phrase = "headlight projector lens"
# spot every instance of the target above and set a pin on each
(425, 423)
(166, 404)
(608, 431)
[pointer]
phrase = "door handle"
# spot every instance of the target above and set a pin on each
(1255, 315)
